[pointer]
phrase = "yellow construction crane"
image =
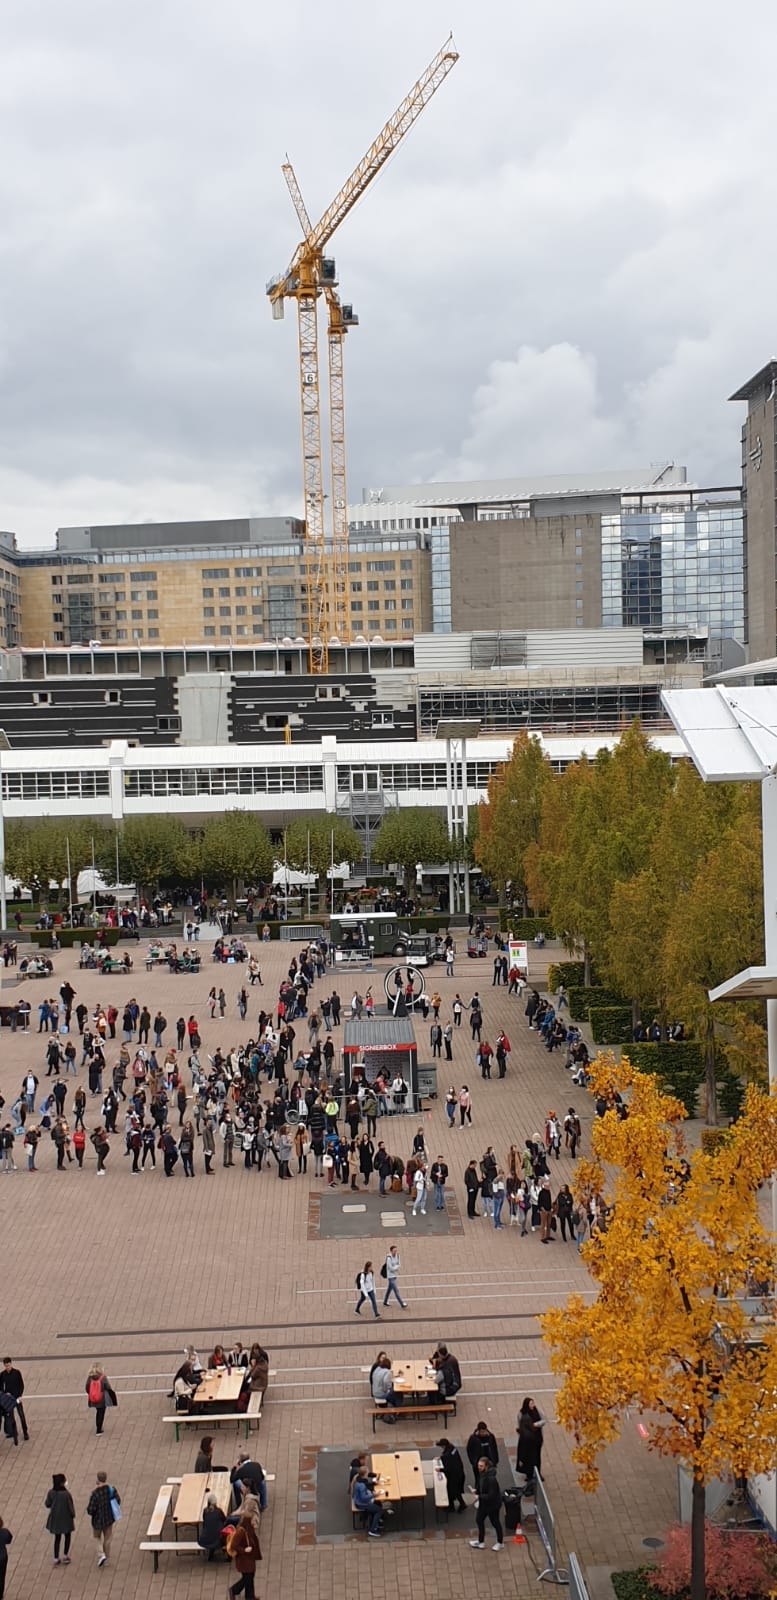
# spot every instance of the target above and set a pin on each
(309, 275)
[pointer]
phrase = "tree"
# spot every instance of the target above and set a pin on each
(320, 840)
(678, 1253)
(37, 852)
(236, 846)
(152, 850)
(714, 930)
(511, 817)
(409, 835)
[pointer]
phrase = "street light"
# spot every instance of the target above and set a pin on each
(455, 731)
(4, 745)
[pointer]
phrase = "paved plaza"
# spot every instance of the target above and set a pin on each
(128, 1273)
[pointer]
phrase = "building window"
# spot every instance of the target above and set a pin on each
(256, 589)
(372, 585)
(405, 565)
(225, 611)
(579, 605)
(152, 614)
(56, 583)
(407, 605)
(405, 583)
(256, 611)
(209, 632)
(207, 594)
(240, 589)
(356, 588)
(137, 616)
(390, 605)
(112, 697)
(41, 697)
(226, 633)
(373, 605)
(153, 633)
(121, 633)
(209, 611)
(390, 624)
(215, 572)
(58, 616)
(224, 593)
(357, 605)
(241, 611)
(389, 583)
(168, 724)
(59, 638)
(381, 566)
(142, 577)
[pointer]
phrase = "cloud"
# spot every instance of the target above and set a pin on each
(566, 265)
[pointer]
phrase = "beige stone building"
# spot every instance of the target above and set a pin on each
(164, 584)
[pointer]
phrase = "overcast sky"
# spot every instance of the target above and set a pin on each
(569, 263)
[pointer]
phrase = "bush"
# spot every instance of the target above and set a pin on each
(666, 1059)
(570, 973)
(712, 1139)
(731, 1096)
(685, 1088)
(524, 927)
(736, 1565)
(635, 1585)
(68, 937)
(610, 1024)
(581, 1001)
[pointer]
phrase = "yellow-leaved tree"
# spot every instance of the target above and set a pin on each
(682, 1240)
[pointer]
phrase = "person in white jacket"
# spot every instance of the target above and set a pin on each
(419, 1189)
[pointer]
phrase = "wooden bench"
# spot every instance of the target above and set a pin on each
(159, 1514)
(440, 1408)
(213, 1419)
(438, 1483)
(179, 1547)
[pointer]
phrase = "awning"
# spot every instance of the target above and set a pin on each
(754, 983)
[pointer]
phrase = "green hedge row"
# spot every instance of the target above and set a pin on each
(610, 1024)
(666, 1059)
(71, 936)
(570, 973)
(582, 1001)
(524, 927)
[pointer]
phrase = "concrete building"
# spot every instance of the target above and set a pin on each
(759, 493)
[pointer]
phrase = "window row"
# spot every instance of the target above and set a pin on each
(160, 782)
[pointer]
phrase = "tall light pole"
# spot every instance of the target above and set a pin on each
(456, 732)
(4, 745)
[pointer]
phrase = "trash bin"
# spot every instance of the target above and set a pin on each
(427, 1082)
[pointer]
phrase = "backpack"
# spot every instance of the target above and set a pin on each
(95, 1392)
(359, 1281)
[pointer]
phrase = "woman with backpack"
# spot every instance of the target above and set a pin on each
(100, 1394)
(365, 1283)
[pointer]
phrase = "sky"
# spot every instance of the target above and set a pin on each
(568, 264)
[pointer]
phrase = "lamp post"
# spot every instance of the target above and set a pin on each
(456, 732)
(4, 745)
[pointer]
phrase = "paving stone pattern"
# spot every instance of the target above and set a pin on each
(129, 1272)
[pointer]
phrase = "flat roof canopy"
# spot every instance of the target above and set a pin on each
(753, 983)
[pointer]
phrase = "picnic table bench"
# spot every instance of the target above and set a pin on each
(213, 1419)
(432, 1408)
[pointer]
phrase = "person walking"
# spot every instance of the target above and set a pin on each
(365, 1283)
(61, 1518)
(457, 1009)
(391, 1266)
(451, 1103)
(102, 1505)
(6, 1538)
(565, 1205)
(245, 1550)
(12, 1383)
(488, 1505)
(100, 1394)
(439, 1177)
(465, 1106)
(572, 1132)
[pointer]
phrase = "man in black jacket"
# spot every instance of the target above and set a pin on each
(472, 1186)
(251, 1473)
(482, 1443)
(12, 1382)
(453, 1467)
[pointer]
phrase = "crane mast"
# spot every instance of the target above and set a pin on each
(309, 275)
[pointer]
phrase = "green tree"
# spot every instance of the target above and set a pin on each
(511, 817)
(37, 852)
(408, 835)
(153, 850)
(320, 839)
(714, 930)
(236, 846)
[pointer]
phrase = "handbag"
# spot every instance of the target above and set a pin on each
(115, 1507)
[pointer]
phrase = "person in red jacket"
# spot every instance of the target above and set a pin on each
(245, 1550)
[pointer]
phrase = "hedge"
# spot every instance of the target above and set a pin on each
(610, 1024)
(634, 1585)
(570, 973)
(685, 1088)
(731, 1096)
(68, 937)
(665, 1059)
(582, 1001)
(524, 927)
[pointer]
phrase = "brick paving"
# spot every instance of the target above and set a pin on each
(128, 1273)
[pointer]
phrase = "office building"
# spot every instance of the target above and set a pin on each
(759, 494)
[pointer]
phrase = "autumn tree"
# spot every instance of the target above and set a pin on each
(714, 930)
(510, 818)
(38, 851)
(408, 835)
(319, 839)
(236, 846)
(680, 1249)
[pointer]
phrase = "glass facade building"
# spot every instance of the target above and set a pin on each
(440, 543)
(675, 566)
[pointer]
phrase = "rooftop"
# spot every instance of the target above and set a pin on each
(626, 480)
(762, 380)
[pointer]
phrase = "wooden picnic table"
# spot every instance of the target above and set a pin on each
(193, 1491)
(219, 1388)
(413, 1377)
(400, 1476)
